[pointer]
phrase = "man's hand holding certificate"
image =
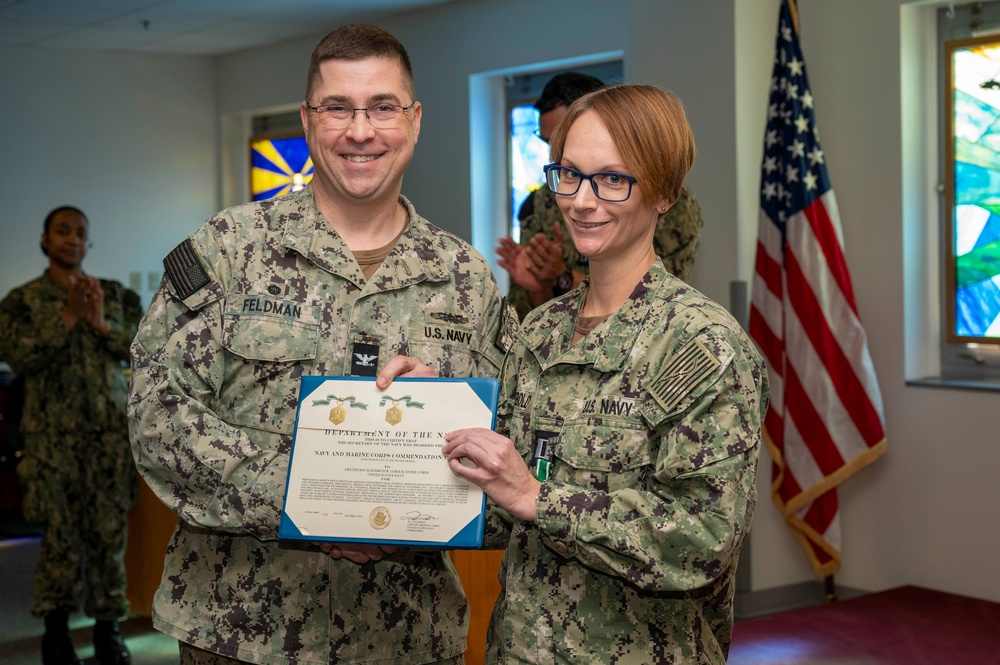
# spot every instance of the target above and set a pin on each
(367, 466)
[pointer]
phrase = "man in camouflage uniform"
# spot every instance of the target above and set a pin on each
(675, 238)
(336, 279)
(622, 473)
(68, 335)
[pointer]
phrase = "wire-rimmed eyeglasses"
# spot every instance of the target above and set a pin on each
(608, 185)
(340, 116)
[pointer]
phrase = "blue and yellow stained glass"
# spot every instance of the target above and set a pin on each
(976, 230)
(279, 167)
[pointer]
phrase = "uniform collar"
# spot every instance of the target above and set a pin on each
(610, 344)
(307, 232)
(51, 283)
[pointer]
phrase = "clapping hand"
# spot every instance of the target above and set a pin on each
(85, 301)
(535, 266)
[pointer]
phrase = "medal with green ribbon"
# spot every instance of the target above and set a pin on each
(394, 415)
(338, 414)
(541, 460)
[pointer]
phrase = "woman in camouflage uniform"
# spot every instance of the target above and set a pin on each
(68, 335)
(633, 406)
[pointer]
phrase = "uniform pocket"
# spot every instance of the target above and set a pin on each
(269, 338)
(603, 454)
(265, 351)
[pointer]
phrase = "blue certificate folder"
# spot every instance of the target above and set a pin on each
(350, 510)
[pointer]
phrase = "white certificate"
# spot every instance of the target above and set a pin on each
(367, 467)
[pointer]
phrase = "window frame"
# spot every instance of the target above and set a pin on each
(962, 358)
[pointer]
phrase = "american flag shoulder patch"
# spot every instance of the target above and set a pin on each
(184, 269)
(692, 364)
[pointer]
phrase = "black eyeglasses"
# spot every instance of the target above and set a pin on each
(340, 116)
(608, 185)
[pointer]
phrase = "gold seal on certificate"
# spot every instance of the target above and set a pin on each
(366, 464)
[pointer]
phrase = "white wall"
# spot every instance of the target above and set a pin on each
(129, 139)
(921, 515)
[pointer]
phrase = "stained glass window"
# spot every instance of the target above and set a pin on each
(968, 122)
(974, 270)
(528, 154)
(279, 166)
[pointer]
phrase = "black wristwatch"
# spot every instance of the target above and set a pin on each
(564, 283)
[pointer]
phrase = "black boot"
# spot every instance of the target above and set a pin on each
(109, 645)
(57, 648)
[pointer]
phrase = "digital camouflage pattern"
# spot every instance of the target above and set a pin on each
(212, 409)
(655, 425)
(675, 239)
(190, 655)
(78, 476)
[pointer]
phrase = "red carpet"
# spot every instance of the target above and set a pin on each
(906, 625)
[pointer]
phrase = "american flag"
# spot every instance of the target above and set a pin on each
(825, 421)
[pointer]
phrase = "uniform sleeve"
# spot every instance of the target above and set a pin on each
(499, 523)
(32, 339)
(678, 230)
(207, 471)
(680, 525)
(516, 295)
(501, 329)
(123, 311)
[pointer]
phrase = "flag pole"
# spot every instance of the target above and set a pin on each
(795, 15)
(829, 590)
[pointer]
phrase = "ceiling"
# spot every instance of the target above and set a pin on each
(193, 27)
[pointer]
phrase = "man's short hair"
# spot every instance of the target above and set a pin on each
(357, 41)
(564, 89)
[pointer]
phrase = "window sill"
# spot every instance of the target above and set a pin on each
(961, 384)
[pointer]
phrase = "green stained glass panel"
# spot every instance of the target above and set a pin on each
(976, 230)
